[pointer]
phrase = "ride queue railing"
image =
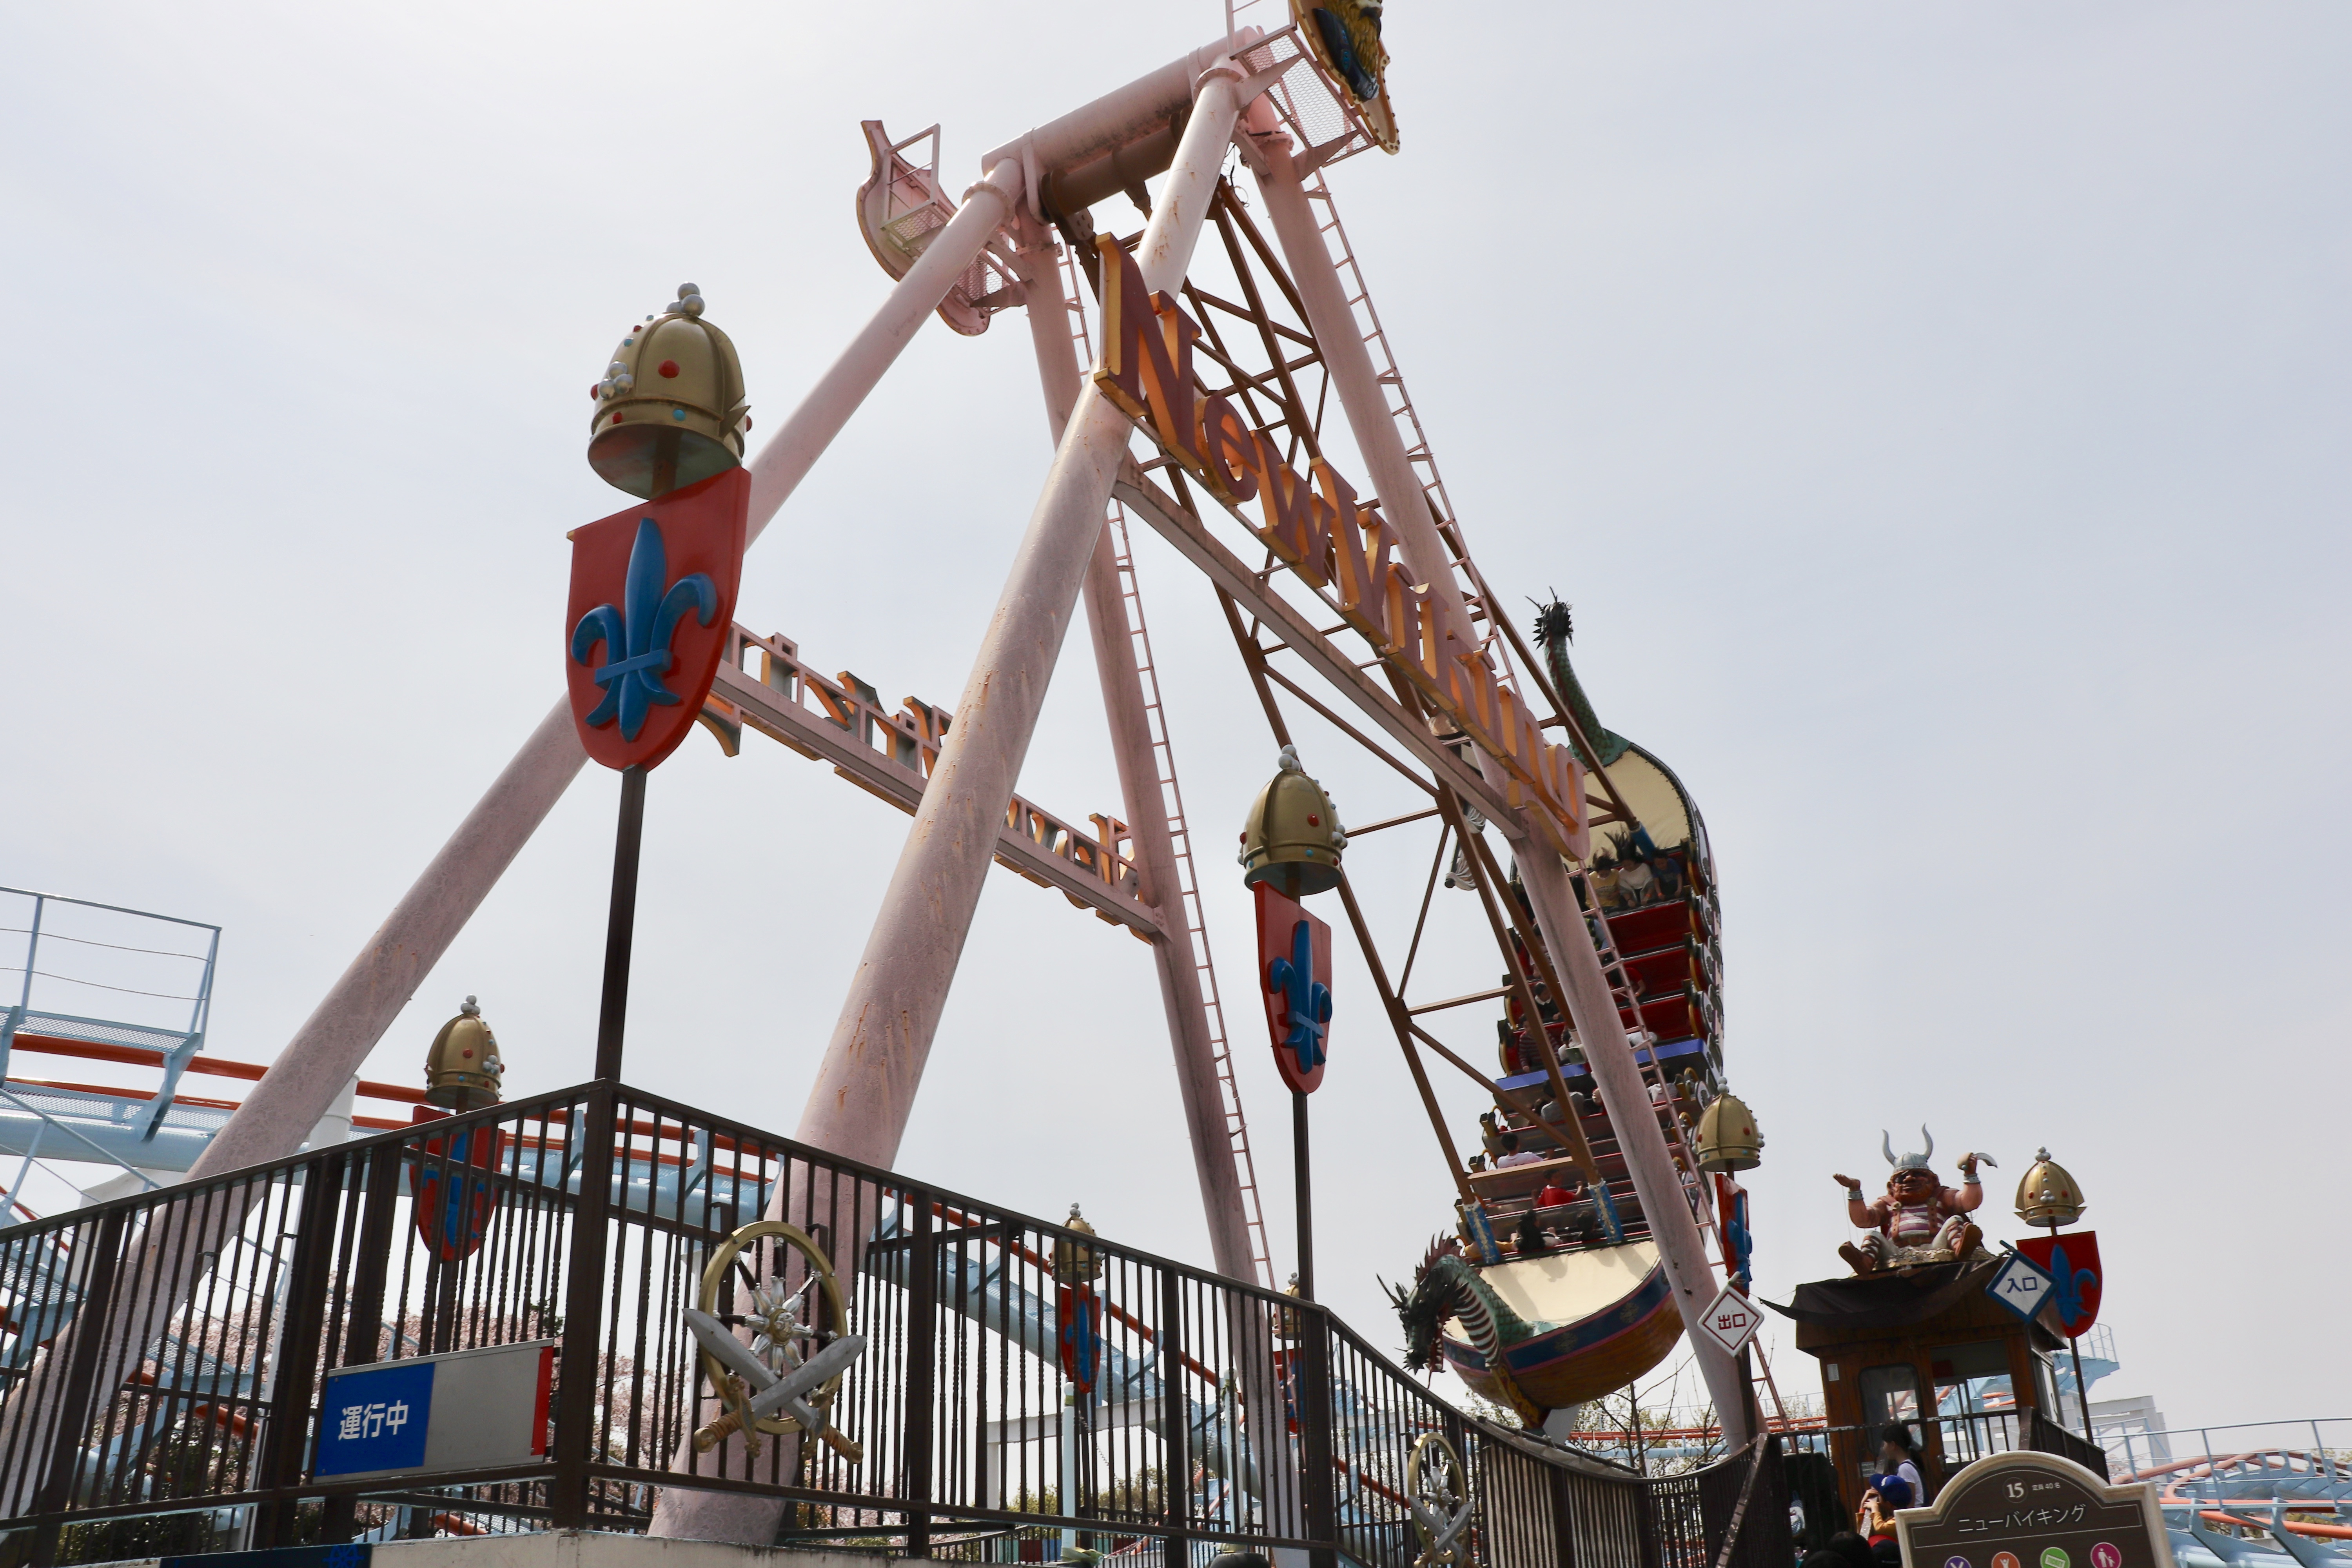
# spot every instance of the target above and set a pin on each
(162, 1358)
(1954, 1441)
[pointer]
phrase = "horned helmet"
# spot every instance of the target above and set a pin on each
(1917, 1162)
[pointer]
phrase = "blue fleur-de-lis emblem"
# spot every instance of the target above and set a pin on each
(2066, 1291)
(1743, 1244)
(1307, 999)
(636, 636)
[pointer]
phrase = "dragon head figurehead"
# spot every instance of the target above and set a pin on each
(1423, 1307)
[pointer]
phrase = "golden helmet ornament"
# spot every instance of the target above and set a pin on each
(2046, 1195)
(1291, 840)
(464, 1071)
(1728, 1139)
(1287, 1321)
(1073, 1261)
(669, 408)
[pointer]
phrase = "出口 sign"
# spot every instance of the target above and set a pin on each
(1731, 1320)
(2035, 1510)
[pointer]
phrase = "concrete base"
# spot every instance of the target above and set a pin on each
(590, 1548)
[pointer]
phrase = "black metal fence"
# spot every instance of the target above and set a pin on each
(162, 1359)
(1952, 1442)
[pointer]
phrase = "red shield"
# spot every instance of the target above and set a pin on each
(653, 597)
(1286, 1373)
(1078, 1311)
(2076, 1280)
(1293, 975)
(452, 1205)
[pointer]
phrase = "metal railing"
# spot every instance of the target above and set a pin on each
(60, 1120)
(1950, 1444)
(2141, 1447)
(163, 1357)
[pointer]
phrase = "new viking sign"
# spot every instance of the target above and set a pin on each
(1344, 550)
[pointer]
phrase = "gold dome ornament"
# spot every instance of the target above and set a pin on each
(669, 408)
(1074, 1262)
(2047, 1196)
(1728, 1139)
(1291, 840)
(463, 1071)
(1287, 1321)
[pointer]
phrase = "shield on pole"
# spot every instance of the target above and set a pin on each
(452, 1205)
(652, 598)
(1294, 974)
(2072, 1264)
(1078, 1312)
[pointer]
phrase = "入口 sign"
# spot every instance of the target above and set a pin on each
(2019, 1285)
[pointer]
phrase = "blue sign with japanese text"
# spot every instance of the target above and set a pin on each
(374, 1418)
(2021, 1287)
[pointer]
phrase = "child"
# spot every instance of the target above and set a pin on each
(1876, 1520)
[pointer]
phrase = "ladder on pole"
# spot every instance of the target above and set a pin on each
(1171, 795)
(1367, 319)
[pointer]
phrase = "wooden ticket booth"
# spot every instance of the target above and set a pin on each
(1930, 1347)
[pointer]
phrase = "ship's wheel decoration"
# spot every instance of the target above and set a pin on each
(1439, 1490)
(787, 1377)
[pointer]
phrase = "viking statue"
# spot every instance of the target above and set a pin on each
(1919, 1220)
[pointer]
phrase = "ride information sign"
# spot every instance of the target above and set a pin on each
(2035, 1510)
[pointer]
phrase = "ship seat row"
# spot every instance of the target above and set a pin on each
(1622, 882)
(1671, 1056)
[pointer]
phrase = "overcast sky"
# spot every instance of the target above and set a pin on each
(1936, 414)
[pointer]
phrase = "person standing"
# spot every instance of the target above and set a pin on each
(1898, 1455)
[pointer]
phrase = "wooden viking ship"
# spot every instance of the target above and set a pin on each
(1552, 1293)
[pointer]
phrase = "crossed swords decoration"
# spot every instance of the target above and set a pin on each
(787, 1379)
(1442, 1505)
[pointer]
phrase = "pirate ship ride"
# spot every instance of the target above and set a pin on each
(1552, 1293)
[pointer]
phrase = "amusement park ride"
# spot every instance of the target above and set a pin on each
(1189, 372)
(1227, 371)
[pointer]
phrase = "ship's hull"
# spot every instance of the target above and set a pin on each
(1608, 1318)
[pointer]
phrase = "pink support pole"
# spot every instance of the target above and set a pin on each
(1147, 806)
(865, 1086)
(1608, 1052)
(327, 1049)
(353, 1016)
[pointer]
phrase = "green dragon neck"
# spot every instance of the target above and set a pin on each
(1509, 1327)
(1579, 707)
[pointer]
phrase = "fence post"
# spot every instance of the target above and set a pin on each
(283, 1446)
(583, 1300)
(1317, 1494)
(1175, 1422)
(372, 1265)
(74, 1419)
(922, 1368)
(1563, 1515)
(1645, 1509)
